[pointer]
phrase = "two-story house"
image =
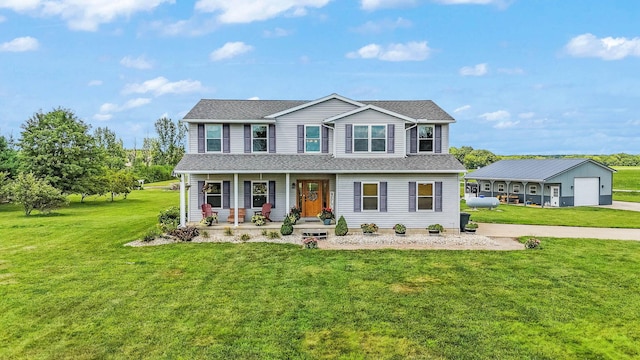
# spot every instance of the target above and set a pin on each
(384, 162)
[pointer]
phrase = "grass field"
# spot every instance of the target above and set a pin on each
(70, 290)
(626, 178)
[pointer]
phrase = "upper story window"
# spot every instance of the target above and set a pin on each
(213, 194)
(259, 138)
(312, 138)
(425, 196)
(369, 138)
(425, 138)
(370, 198)
(214, 138)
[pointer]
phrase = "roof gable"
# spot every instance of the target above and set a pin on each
(315, 102)
(366, 108)
(529, 169)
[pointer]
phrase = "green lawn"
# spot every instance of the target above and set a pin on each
(567, 216)
(70, 290)
(626, 178)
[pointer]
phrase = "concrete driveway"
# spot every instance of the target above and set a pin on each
(510, 230)
(623, 205)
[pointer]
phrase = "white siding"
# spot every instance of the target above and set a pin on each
(398, 202)
(370, 117)
(192, 135)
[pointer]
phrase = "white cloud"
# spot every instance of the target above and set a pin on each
(411, 51)
(102, 117)
(230, 50)
(161, 85)
(506, 124)
(378, 4)
(21, 44)
(477, 70)
(527, 115)
(608, 48)
(107, 109)
(462, 108)
(277, 32)
(85, 15)
(95, 83)
(245, 11)
(496, 115)
(254, 98)
(376, 27)
(139, 63)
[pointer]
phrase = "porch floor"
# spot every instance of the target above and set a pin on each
(302, 224)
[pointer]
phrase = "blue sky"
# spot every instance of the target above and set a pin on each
(519, 76)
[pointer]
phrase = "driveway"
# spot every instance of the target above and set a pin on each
(510, 230)
(623, 205)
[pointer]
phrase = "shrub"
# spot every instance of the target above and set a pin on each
(273, 235)
(264, 232)
(532, 243)
(341, 227)
(434, 227)
(399, 228)
(287, 226)
(169, 218)
(369, 228)
(258, 219)
(310, 243)
(204, 234)
(245, 237)
(186, 233)
(228, 231)
(33, 193)
(151, 234)
(209, 220)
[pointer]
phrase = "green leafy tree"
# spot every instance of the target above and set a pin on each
(119, 182)
(33, 193)
(115, 157)
(4, 186)
(460, 153)
(169, 145)
(56, 146)
(479, 158)
(8, 157)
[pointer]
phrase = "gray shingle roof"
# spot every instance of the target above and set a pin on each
(527, 169)
(301, 163)
(216, 109)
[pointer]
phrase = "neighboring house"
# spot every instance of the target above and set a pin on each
(384, 162)
(548, 182)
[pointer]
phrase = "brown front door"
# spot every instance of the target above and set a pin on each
(311, 197)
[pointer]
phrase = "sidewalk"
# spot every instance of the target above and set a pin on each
(509, 230)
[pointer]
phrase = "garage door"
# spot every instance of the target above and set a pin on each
(586, 191)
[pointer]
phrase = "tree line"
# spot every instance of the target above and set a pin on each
(476, 158)
(57, 154)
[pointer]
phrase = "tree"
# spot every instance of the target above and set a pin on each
(119, 183)
(460, 153)
(115, 156)
(8, 157)
(33, 193)
(169, 146)
(479, 158)
(56, 146)
(4, 186)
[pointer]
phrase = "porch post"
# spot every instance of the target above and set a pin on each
(524, 185)
(542, 194)
(183, 219)
(287, 179)
(235, 200)
(508, 191)
(492, 181)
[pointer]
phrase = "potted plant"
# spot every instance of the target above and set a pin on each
(470, 227)
(258, 219)
(209, 220)
(435, 229)
(310, 243)
(369, 229)
(326, 215)
(295, 212)
(291, 218)
(399, 229)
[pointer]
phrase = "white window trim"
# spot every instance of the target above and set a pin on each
(369, 139)
(516, 188)
(362, 196)
(266, 138)
(501, 187)
(319, 139)
(221, 193)
(433, 196)
(207, 138)
(486, 186)
(433, 139)
(533, 189)
(266, 194)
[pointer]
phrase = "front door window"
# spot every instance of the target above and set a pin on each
(312, 196)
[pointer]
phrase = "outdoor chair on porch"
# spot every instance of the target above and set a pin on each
(206, 211)
(241, 215)
(266, 211)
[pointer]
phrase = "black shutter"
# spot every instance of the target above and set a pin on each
(325, 139)
(226, 139)
(383, 196)
(200, 138)
(413, 140)
(247, 195)
(412, 196)
(348, 138)
(272, 194)
(247, 138)
(391, 138)
(438, 202)
(357, 197)
(438, 139)
(272, 138)
(300, 139)
(201, 195)
(226, 194)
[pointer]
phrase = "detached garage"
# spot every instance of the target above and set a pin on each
(546, 182)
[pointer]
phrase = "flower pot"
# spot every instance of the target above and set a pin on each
(434, 232)
(400, 234)
(327, 221)
(471, 231)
